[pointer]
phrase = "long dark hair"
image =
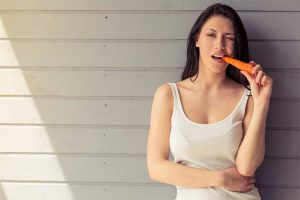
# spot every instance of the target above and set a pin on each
(241, 51)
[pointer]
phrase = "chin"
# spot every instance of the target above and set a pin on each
(218, 68)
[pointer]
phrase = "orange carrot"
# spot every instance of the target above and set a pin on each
(238, 64)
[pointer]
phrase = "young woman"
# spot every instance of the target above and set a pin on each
(214, 119)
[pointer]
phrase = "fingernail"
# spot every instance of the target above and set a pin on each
(253, 75)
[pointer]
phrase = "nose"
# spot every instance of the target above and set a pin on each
(219, 44)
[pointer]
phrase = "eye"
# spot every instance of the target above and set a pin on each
(210, 35)
(232, 39)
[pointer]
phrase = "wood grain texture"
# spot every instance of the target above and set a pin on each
(134, 54)
(147, 5)
(97, 25)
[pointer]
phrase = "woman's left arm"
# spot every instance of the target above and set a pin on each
(252, 149)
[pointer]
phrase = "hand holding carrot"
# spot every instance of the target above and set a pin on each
(260, 83)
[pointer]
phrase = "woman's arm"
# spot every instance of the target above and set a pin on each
(159, 167)
(252, 149)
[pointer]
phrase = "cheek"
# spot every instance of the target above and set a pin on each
(204, 52)
(206, 47)
(230, 47)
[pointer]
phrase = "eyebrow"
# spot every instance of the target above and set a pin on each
(225, 33)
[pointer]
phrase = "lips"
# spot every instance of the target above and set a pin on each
(218, 56)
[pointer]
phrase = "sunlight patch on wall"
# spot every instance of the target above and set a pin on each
(18, 107)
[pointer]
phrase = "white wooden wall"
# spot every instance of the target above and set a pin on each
(77, 79)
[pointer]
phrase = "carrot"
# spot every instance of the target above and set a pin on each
(238, 64)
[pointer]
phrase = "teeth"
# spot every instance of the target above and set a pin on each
(217, 56)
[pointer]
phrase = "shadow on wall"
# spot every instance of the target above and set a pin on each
(53, 132)
(2, 194)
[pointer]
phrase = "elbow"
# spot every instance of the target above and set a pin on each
(247, 169)
(153, 175)
(246, 172)
(152, 172)
(155, 170)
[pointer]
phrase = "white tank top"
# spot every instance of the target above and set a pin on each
(208, 146)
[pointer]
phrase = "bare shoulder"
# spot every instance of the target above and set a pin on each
(160, 125)
(163, 100)
(164, 94)
(249, 106)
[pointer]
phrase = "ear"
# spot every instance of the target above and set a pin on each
(197, 41)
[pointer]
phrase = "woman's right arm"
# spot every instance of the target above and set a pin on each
(159, 167)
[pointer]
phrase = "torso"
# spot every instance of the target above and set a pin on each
(204, 107)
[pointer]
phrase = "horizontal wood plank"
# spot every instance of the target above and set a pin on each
(154, 54)
(39, 139)
(282, 143)
(284, 114)
(279, 193)
(26, 110)
(73, 168)
(148, 5)
(49, 191)
(279, 173)
(43, 139)
(68, 82)
(93, 25)
(273, 172)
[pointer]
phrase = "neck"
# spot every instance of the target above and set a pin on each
(208, 81)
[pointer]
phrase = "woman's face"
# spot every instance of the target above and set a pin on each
(216, 39)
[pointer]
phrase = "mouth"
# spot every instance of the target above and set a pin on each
(218, 57)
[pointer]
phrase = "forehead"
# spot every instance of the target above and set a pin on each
(219, 23)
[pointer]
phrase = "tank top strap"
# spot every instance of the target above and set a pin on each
(175, 99)
(242, 107)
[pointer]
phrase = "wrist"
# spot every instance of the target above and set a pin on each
(261, 106)
(218, 179)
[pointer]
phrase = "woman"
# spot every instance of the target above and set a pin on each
(211, 120)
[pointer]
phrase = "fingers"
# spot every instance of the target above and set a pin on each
(259, 77)
(250, 187)
(246, 190)
(248, 184)
(263, 80)
(256, 69)
(251, 180)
